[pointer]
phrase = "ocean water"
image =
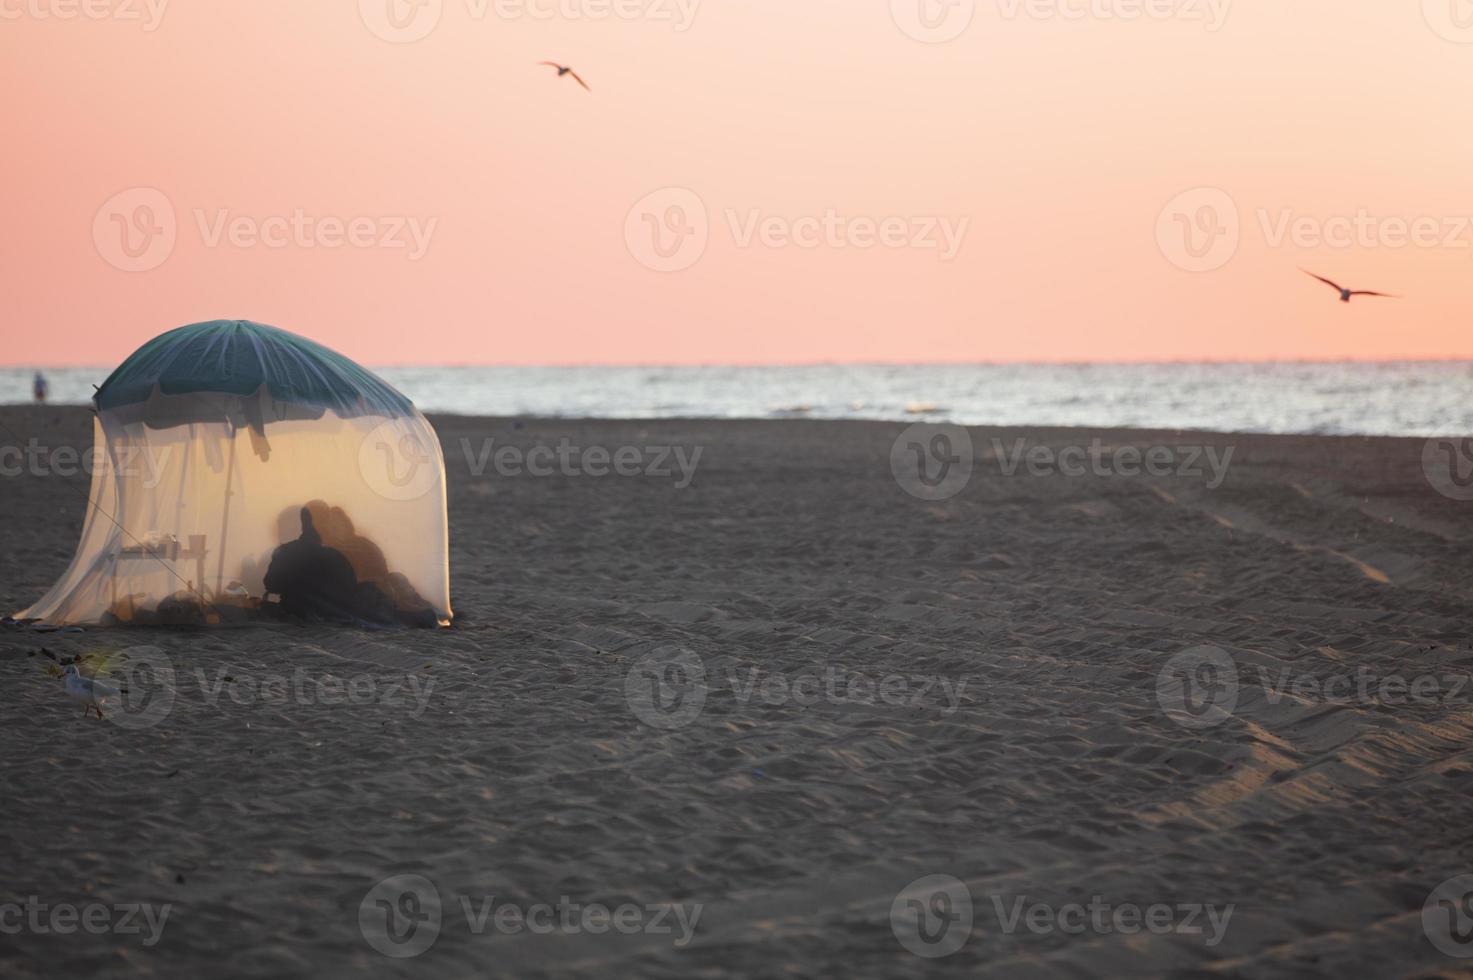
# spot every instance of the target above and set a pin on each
(1407, 398)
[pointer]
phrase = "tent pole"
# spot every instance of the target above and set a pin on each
(179, 504)
(225, 519)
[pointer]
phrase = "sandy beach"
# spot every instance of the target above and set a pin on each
(722, 697)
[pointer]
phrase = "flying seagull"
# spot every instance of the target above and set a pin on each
(565, 70)
(1345, 294)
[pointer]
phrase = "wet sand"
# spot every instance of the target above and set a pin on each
(1086, 698)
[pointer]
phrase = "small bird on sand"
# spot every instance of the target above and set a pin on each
(1345, 294)
(565, 70)
(89, 689)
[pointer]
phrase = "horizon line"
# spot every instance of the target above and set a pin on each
(1128, 362)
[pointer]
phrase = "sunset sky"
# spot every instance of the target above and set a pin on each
(442, 199)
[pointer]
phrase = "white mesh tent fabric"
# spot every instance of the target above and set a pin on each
(217, 444)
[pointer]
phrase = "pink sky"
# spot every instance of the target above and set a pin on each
(1057, 133)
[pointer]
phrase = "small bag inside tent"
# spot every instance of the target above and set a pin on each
(244, 473)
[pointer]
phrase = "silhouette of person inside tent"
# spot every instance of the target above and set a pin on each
(333, 573)
(313, 581)
(383, 596)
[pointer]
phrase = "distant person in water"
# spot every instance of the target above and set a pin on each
(39, 388)
(313, 581)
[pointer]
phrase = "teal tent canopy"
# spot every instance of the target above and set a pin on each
(239, 357)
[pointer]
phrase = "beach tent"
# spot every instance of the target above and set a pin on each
(218, 443)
